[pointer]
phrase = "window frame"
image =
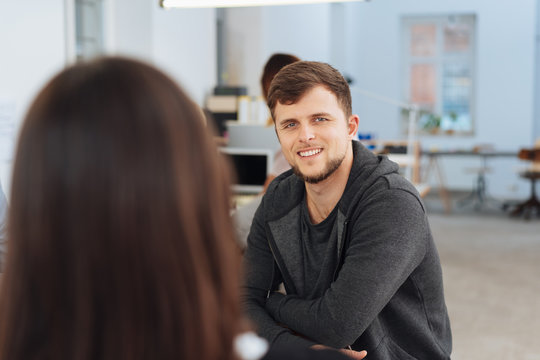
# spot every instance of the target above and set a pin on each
(439, 60)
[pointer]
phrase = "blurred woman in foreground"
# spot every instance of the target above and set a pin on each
(120, 245)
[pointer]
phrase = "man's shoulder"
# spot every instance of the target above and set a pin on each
(372, 173)
(390, 188)
(285, 191)
(396, 185)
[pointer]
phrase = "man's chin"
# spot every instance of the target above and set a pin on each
(311, 177)
(314, 177)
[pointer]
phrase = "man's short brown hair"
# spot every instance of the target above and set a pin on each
(294, 80)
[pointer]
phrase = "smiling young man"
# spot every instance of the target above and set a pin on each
(345, 233)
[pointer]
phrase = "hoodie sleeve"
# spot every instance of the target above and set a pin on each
(261, 277)
(388, 240)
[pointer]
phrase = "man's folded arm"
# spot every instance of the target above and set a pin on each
(267, 327)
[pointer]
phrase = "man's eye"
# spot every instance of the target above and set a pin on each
(289, 125)
(320, 119)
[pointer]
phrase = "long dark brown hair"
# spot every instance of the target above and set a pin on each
(120, 242)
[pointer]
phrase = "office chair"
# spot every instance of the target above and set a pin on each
(532, 204)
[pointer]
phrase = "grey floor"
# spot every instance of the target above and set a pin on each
(491, 269)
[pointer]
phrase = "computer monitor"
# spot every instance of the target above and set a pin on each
(251, 167)
(252, 136)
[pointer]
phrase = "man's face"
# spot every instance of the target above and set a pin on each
(315, 134)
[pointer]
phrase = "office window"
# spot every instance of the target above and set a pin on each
(438, 67)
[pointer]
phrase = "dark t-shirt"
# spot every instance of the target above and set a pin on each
(319, 253)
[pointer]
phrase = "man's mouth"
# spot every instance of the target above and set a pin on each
(311, 152)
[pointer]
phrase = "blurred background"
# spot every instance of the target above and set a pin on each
(473, 66)
(470, 67)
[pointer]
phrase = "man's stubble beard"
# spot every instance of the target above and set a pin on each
(330, 168)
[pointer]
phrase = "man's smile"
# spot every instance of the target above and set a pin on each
(310, 152)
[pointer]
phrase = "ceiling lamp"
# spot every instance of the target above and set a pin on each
(239, 3)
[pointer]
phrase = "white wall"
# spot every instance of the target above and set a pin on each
(180, 41)
(184, 45)
(243, 47)
(504, 79)
(537, 77)
(254, 34)
(32, 48)
(129, 27)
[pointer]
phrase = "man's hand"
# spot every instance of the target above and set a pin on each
(357, 355)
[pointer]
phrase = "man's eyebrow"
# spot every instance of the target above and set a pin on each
(319, 114)
(281, 122)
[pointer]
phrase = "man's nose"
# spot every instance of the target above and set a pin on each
(307, 133)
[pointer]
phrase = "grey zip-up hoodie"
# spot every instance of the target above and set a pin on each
(387, 294)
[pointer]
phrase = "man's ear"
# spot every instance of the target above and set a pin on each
(353, 125)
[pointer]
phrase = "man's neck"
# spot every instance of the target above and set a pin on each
(323, 197)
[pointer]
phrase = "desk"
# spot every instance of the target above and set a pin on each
(478, 194)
